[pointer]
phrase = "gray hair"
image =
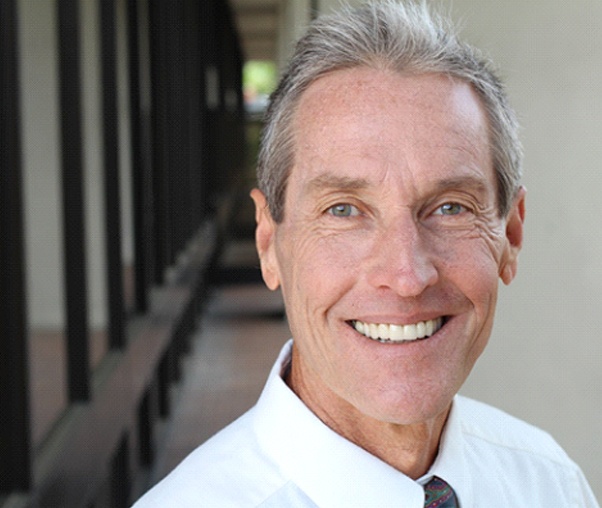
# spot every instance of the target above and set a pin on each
(387, 35)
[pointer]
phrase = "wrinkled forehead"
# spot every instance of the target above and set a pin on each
(350, 119)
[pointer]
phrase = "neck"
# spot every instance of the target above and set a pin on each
(411, 448)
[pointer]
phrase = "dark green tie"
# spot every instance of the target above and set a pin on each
(438, 494)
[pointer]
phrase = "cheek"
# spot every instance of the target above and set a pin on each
(317, 268)
(475, 254)
(476, 275)
(316, 251)
(471, 266)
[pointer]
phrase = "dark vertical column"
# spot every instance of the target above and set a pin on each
(177, 128)
(14, 424)
(221, 170)
(120, 476)
(159, 93)
(145, 430)
(165, 376)
(231, 119)
(204, 49)
(209, 30)
(237, 114)
(73, 202)
(138, 180)
(111, 174)
(147, 148)
(195, 85)
(187, 119)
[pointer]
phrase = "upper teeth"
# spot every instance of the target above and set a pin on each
(398, 333)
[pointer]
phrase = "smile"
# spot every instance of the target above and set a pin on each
(398, 333)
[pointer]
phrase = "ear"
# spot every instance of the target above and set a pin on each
(264, 239)
(514, 237)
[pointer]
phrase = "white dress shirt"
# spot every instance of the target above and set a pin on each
(279, 454)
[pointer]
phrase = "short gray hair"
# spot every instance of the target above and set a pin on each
(403, 37)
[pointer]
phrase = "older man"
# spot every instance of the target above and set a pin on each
(389, 207)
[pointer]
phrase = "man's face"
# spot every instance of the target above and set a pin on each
(391, 244)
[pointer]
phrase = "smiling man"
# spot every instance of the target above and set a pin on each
(389, 207)
(388, 253)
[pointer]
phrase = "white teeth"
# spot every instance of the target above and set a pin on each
(373, 329)
(430, 328)
(410, 332)
(396, 332)
(421, 329)
(399, 333)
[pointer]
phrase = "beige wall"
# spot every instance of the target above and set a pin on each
(544, 362)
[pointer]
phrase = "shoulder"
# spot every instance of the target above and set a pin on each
(495, 428)
(517, 460)
(219, 472)
(234, 468)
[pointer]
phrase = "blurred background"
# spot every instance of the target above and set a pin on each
(133, 323)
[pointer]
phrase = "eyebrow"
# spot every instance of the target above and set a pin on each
(462, 182)
(345, 183)
(331, 181)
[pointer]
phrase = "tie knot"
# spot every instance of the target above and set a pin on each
(438, 494)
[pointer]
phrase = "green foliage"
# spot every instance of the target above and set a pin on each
(260, 77)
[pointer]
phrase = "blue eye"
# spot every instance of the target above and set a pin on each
(450, 209)
(344, 210)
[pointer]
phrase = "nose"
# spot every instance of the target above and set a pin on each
(402, 260)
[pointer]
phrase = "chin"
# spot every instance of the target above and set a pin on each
(407, 408)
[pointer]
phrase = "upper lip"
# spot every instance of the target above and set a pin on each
(401, 321)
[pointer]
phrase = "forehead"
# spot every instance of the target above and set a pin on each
(363, 122)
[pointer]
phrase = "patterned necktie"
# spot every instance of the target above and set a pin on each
(438, 494)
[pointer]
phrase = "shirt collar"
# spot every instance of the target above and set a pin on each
(333, 471)
(451, 463)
